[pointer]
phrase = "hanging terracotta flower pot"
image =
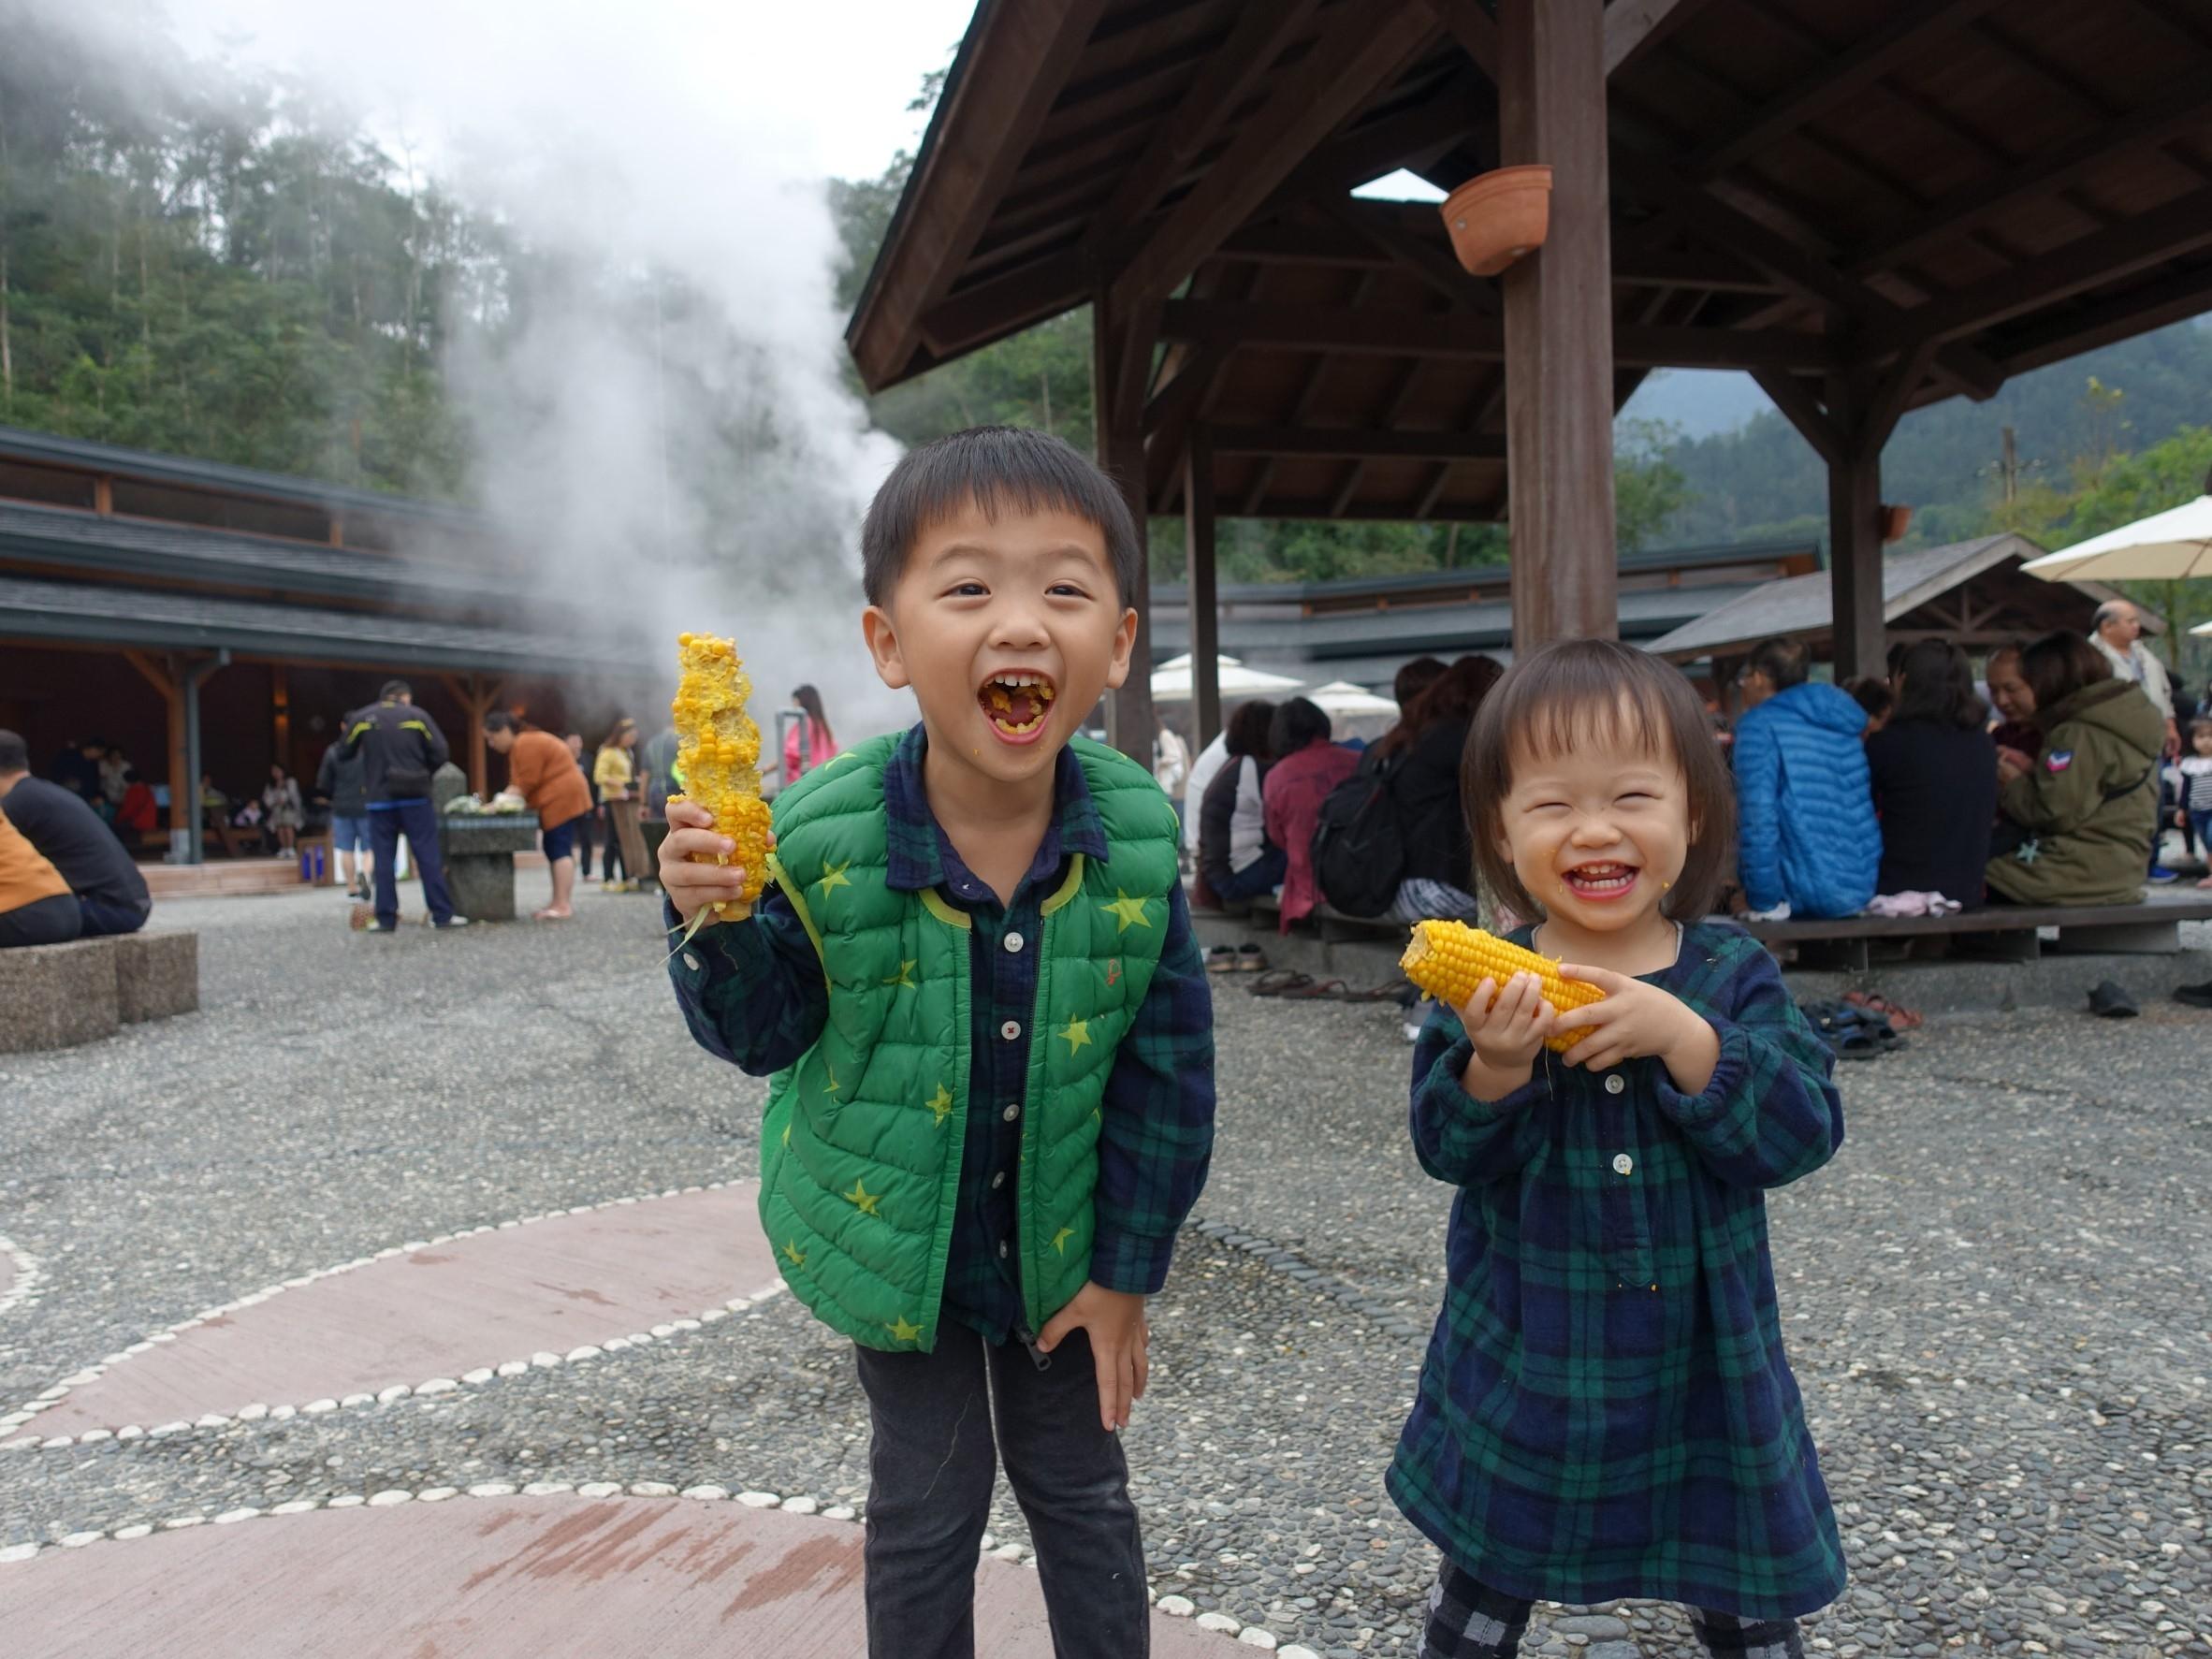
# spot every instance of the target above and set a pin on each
(1496, 218)
(1896, 520)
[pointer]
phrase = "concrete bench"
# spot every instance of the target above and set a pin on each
(58, 995)
(2007, 932)
(1330, 924)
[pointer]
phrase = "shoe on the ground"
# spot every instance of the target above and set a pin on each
(2161, 876)
(2194, 995)
(452, 921)
(2109, 1001)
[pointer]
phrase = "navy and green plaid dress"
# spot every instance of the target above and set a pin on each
(1604, 1409)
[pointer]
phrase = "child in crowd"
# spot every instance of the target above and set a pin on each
(977, 985)
(1606, 1410)
(2194, 791)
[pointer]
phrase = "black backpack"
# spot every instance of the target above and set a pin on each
(1357, 851)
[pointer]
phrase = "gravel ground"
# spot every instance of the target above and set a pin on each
(1994, 1295)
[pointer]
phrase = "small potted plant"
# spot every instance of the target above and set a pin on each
(1497, 217)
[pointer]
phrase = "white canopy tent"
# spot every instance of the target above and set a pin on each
(1354, 711)
(2164, 547)
(1170, 680)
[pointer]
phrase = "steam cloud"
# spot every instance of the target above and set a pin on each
(666, 428)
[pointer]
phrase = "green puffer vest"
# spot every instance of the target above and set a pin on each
(860, 1149)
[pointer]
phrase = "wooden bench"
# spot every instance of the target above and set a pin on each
(1333, 924)
(2005, 932)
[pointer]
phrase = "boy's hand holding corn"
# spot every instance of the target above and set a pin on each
(693, 887)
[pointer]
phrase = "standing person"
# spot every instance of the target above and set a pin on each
(976, 1161)
(1810, 845)
(2195, 810)
(616, 772)
(1235, 854)
(1932, 769)
(36, 905)
(1605, 1409)
(2117, 632)
(821, 745)
(281, 802)
(109, 893)
(1171, 760)
(1307, 766)
(1424, 753)
(2079, 815)
(586, 826)
(541, 768)
(339, 784)
(401, 746)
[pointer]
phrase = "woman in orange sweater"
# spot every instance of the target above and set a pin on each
(36, 907)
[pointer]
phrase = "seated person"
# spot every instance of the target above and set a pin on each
(2079, 819)
(1235, 854)
(36, 904)
(135, 815)
(70, 835)
(1934, 773)
(2014, 703)
(1308, 766)
(1807, 836)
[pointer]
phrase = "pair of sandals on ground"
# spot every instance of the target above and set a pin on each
(1864, 1025)
(1289, 983)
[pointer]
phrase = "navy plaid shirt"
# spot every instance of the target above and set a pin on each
(754, 996)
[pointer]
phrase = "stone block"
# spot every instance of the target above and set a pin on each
(56, 996)
(157, 974)
(483, 887)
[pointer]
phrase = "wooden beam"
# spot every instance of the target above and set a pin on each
(1634, 27)
(1559, 328)
(1476, 31)
(1409, 138)
(2064, 334)
(1363, 50)
(1428, 257)
(1116, 337)
(1475, 337)
(1225, 80)
(103, 495)
(1848, 72)
(1393, 408)
(2151, 239)
(1891, 397)
(1004, 304)
(2185, 106)
(152, 672)
(1009, 73)
(1199, 576)
(1854, 532)
(1351, 443)
(1803, 410)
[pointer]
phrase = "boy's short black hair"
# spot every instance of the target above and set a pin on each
(1555, 699)
(998, 469)
(498, 719)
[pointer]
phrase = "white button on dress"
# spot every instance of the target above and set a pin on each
(1623, 1164)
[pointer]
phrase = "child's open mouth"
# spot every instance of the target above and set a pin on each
(1601, 881)
(1015, 703)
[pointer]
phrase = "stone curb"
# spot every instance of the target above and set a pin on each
(26, 1290)
(1176, 1607)
(254, 1412)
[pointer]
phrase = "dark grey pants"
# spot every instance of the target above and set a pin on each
(931, 1464)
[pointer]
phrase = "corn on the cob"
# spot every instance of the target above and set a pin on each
(718, 756)
(1449, 959)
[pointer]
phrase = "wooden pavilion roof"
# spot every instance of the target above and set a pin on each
(1966, 188)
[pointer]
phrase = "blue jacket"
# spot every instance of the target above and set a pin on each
(1805, 814)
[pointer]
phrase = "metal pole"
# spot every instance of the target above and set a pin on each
(195, 851)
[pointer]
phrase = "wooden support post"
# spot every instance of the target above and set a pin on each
(1559, 328)
(476, 698)
(1121, 361)
(164, 679)
(1855, 527)
(1198, 564)
(104, 496)
(280, 697)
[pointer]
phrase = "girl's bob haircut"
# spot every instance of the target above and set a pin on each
(1571, 695)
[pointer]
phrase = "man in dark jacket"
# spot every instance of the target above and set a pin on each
(71, 836)
(401, 746)
(341, 783)
(1807, 841)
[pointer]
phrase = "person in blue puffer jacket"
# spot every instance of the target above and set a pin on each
(1806, 832)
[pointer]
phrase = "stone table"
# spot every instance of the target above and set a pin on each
(479, 850)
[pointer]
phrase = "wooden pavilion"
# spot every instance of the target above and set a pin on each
(1870, 205)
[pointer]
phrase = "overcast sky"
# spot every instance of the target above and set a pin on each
(838, 74)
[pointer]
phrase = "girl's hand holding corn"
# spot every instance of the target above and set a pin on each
(1507, 1026)
(1634, 1020)
(693, 887)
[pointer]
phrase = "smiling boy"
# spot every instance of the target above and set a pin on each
(975, 985)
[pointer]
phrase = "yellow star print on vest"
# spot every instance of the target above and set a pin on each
(902, 1332)
(798, 1257)
(1077, 1035)
(1060, 1239)
(831, 1086)
(940, 1104)
(1127, 911)
(904, 978)
(860, 1198)
(833, 876)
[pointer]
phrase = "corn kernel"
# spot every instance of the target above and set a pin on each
(719, 751)
(1449, 960)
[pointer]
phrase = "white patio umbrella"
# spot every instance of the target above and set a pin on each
(2162, 548)
(1342, 697)
(1170, 680)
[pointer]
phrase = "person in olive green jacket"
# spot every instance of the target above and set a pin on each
(2084, 812)
(976, 985)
